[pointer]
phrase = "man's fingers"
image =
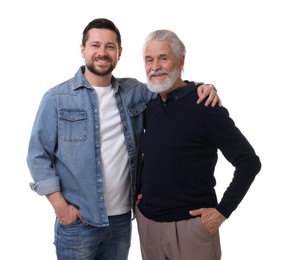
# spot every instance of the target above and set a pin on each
(195, 212)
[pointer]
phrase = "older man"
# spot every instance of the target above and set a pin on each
(178, 213)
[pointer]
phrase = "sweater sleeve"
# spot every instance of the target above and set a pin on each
(238, 151)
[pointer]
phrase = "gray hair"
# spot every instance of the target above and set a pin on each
(176, 44)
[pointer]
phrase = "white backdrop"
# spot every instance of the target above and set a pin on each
(236, 45)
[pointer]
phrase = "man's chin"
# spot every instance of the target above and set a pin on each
(103, 71)
(156, 88)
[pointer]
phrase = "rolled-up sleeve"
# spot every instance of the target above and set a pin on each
(42, 146)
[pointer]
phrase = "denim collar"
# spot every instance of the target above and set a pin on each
(80, 80)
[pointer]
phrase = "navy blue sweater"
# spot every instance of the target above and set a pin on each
(180, 148)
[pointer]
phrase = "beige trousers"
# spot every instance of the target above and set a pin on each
(182, 240)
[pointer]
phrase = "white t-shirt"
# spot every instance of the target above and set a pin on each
(114, 154)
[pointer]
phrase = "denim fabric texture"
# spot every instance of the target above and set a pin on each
(105, 243)
(64, 150)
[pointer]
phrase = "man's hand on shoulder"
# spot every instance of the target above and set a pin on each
(210, 92)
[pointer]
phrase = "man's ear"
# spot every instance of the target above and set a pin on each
(120, 53)
(181, 62)
(82, 51)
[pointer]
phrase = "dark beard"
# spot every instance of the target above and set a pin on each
(99, 73)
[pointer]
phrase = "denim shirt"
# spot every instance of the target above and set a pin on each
(64, 150)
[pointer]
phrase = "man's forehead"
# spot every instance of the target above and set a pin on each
(158, 48)
(102, 35)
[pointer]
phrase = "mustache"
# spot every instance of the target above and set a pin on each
(102, 57)
(156, 73)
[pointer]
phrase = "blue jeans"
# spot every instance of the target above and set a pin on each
(86, 242)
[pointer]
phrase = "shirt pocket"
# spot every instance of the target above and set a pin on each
(137, 109)
(72, 124)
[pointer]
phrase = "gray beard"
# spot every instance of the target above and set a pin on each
(158, 87)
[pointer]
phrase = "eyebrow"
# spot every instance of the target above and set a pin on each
(99, 42)
(163, 55)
